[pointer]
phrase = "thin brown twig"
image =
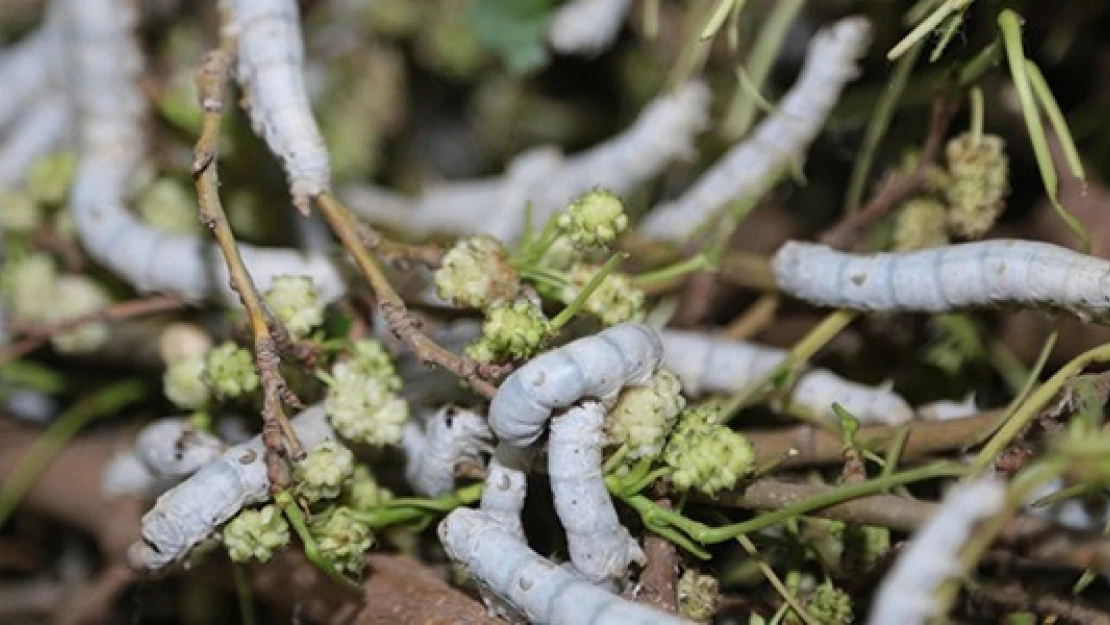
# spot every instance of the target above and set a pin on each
(37, 335)
(49, 240)
(847, 233)
(659, 578)
(390, 304)
(397, 254)
(212, 79)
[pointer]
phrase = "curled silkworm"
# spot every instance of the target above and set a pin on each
(540, 591)
(595, 367)
(173, 448)
(507, 486)
(104, 64)
(39, 131)
(586, 27)
(186, 514)
(906, 595)
(948, 410)
(26, 69)
(600, 547)
(270, 70)
(784, 136)
(451, 436)
(126, 475)
(942, 279)
(663, 132)
(711, 364)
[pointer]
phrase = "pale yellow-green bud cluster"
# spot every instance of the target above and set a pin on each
(183, 383)
(594, 220)
(707, 455)
(920, 224)
(296, 304)
(255, 534)
(615, 301)
(27, 283)
(49, 178)
(229, 371)
(362, 408)
(73, 296)
(19, 214)
(343, 539)
(976, 192)
(363, 492)
(476, 274)
(698, 596)
(322, 473)
(644, 416)
(369, 358)
(863, 545)
(516, 330)
(169, 206)
(830, 605)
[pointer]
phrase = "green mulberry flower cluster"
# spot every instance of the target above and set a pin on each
(615, 301)
(322, 473)
(698, 596)
(976, 191)
(920, 225)
(229, 371)
(169, 206)
(296, 304)
(255, 534)
(830, 605)
(476, 274)
(363, 492)
(342, 538)
(362, 408)
(594, 220)
(369, 358)
(644, 416)
(73, 296)
(27, 285)
(516, 330)
(183, 383)
(707, 455)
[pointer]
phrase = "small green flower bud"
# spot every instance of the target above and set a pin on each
(75, 296)
(698, 595)
(322, 473)
(644, 416)
(297, 305)
(229, 371)
(343, 538)
(594, 220)
(49, 177)
(369, 357)
(363, 492)
(707, 455)
(516, 330)
(863, 546)
(920, 225)
(362, 409)
(18, 213)
(183, 383)
(830, 605)
(476, 274)
(168, 206)
(255, 534)
(447, 44)
(980, 181)
(616, 300)
(27, 284)
(481, 351)
(561, 255)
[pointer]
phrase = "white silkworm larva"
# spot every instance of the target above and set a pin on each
(537, 589)
(948, 410)
(586, 27)
(663, 132)
(40, 130)
(984, 273)
(507, 486)
(189, 512)
(600, 547)
(452, 436)
(707, 363)
(173, 448)
(783, 136)
(594, 367)
(270, 70)
(907, 594)
(25, 70)
(104, 64)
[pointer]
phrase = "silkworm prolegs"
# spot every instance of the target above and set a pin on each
(953, 277)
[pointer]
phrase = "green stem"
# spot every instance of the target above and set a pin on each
(311, 551)
(568, 313)
(409, 509)
(817, 338)
(975, 98)
(105, 402)
(243, 592)
(699, 262)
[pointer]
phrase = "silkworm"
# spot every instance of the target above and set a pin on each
(595, 367)
(947, 410)
(270, 71)
(586, 27)
(451, 436)
(781, 138)
(906, 595)
(40, 130)
(26, 69)
(712, 364)
(953, 277)
(540, 591)
(104, 65)
(506, 486)
(600, 547)
(663, 132)
(189, 512)
(165, 452)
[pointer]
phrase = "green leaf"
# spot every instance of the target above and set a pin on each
(515, 30)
